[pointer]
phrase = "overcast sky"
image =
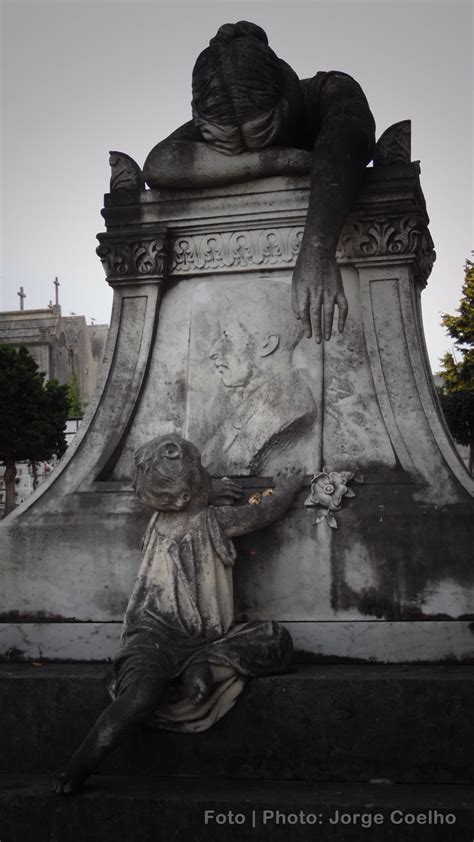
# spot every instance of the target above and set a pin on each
(82, 78)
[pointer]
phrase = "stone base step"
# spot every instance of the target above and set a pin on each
(207, 810)
(327, 723)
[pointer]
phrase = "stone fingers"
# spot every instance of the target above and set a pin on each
(316, 304)
(343, 308)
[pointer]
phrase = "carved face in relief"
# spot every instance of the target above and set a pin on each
(236, 353)
(244, 347)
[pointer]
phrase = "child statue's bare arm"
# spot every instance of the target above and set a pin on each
(239, 520)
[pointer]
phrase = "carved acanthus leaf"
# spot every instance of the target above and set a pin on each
(394, 146)
(126, 175)
(382, 237)
(114, 258)
(426, 256)
(133, 260)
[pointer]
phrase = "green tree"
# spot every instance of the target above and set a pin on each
(76, 407)
(33, 416)
(457, 394)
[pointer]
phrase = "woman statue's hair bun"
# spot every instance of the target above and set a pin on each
(241, 29)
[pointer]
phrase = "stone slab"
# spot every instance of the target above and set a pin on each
(412, 724)
(164, 810)
(377, 641)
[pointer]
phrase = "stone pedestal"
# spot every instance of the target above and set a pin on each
(395, 581)
(311, 752)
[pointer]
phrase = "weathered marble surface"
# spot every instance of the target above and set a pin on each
(402, 550)
(180, 621)
(252, 402)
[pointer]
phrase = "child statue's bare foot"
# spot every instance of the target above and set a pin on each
(68, 782)
(198, 682)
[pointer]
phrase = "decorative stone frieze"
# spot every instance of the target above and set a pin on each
(252, 250)
(235, 250)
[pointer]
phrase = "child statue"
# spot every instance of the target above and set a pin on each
(182, 661)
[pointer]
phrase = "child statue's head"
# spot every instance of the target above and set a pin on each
(169, 474)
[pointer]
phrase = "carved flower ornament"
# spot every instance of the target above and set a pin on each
(327, 490)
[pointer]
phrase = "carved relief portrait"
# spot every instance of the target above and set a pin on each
(250, 401)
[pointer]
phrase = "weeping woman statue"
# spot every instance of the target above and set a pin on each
(253, 117)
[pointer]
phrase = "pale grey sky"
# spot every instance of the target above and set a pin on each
(81, 78)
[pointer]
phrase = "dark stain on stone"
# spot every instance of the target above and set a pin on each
(301, 656)
(13, 654)
(180, 390)
(17, 655)
(410, 552)
(374, 603)
(112, 600)
(36, 617)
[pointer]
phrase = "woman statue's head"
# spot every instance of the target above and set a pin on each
(244, 96)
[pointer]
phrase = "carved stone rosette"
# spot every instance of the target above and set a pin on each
(135, 260)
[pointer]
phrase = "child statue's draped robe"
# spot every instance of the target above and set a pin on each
(181, 613)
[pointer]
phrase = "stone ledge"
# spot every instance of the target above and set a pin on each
(164, 810)
(412, 724)
(349, 641)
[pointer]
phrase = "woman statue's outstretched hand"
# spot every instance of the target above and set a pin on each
(316, 290)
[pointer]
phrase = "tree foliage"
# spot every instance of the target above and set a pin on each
(461, 327)
(458, 409)
(457, 394)
(33, 416)
(76, 407)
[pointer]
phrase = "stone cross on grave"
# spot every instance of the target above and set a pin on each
(57, 285)
(22, 294)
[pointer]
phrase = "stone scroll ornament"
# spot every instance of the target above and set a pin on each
(328, 489)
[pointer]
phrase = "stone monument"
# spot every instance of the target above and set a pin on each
(261, 225)
(209, 268)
